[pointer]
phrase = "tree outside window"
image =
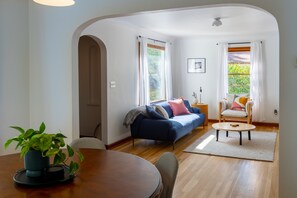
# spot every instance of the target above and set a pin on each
(239, 70)
(156, 69)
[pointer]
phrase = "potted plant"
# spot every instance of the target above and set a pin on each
(37, 147)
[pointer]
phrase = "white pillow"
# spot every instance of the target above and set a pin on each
(162, 111)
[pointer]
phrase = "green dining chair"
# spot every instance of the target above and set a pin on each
(87, 142)
(168, 167)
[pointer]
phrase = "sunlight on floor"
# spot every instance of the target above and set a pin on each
(205, 142)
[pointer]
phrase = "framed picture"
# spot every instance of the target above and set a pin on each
(196, 65)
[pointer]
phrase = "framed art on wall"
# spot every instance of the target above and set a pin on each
(196, 65)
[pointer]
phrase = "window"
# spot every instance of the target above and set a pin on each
(156, 70)
(239, 70)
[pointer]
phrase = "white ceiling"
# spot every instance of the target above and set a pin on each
(198, 22)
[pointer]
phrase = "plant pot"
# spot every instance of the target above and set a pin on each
(35, 164)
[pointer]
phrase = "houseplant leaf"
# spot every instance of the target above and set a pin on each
(42, 128)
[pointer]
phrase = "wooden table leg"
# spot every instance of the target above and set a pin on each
(240, 138)
(217, 135)
(249, 134)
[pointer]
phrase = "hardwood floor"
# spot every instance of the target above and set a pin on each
(204, 176)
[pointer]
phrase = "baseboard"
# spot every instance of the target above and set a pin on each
(115, 144)
(254, 123)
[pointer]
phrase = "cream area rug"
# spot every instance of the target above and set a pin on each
(260, 147)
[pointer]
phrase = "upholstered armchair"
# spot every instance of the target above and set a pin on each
(233, 110)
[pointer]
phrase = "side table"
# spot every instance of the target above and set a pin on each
(204, 109)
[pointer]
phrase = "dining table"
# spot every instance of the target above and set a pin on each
(103, 173)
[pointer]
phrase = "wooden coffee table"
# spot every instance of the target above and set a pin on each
(234, 126)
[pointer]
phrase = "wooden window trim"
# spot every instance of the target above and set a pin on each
(239, 49)
(156, 46)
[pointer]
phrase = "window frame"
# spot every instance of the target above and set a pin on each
(238, 49)
(159, 46)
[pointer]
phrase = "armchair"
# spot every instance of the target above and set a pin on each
(228, 112)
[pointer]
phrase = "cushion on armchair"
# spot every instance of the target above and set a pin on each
(239, 103)
(234, 113)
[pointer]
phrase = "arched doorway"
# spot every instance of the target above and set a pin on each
(91, 63)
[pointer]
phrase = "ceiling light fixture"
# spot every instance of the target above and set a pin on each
(217, 22)
(58, 3)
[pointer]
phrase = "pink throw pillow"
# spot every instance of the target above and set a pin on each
(237, 107)
(178, 107)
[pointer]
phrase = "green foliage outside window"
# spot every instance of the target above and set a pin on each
(239, 78)
(156, 73)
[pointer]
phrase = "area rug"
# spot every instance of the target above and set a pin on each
(260, 147)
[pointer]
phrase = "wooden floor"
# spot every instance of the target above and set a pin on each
(202, 176)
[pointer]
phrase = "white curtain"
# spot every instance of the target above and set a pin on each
(256, 81)
(143, 79)
(222, 87)
(168, 74)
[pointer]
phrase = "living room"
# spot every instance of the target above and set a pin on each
(119, 36)
(33, 79)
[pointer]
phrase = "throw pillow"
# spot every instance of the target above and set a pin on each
(162, 111)
(239, 103)
(153, 114)
(187, 104)
(230, 99)
(178, 107)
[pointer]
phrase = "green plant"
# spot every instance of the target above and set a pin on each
(48, 144)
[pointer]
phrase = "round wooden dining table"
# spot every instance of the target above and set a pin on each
(103, 173)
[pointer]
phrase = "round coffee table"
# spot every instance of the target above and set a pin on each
(233, 126)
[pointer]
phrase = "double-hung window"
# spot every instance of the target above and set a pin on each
(156, 72)
(239, 70)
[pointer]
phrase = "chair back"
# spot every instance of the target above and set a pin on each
(87, 142)
(168, 167)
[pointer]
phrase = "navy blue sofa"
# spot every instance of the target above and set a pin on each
(171, 129)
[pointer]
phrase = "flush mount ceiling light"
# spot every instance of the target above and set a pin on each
(55, 2)
(217, 22)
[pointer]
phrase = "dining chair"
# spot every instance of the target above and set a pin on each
(168, 167)
(87, 142)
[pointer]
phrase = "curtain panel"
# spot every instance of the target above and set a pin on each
(143, 78)
(257, 90)
(222, 86)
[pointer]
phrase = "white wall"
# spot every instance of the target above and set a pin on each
(54, 32)
(14, 68)
(205, 47)
(122, 60)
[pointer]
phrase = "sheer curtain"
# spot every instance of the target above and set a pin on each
(168, 73)
(222, 87)
(143, 79)
(256, 81)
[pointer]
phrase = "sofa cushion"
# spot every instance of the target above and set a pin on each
(178, 107)
(162, 111)
(184, 120)
(153, 113)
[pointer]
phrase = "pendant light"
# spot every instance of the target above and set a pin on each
(59, 3)
(217, 22)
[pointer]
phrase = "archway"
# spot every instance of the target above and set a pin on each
(91, 70)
